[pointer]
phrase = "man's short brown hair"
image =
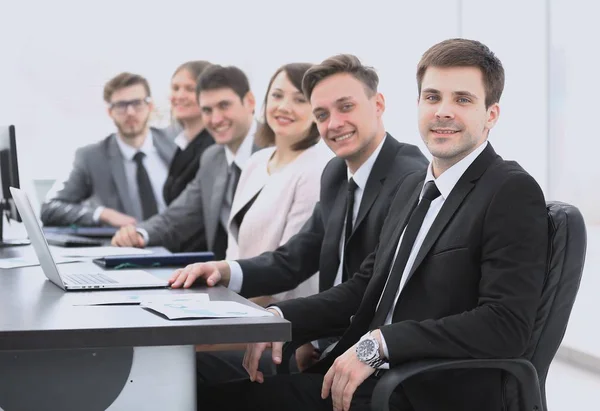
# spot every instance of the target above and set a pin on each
(342, 63)
(217, 77)
(466, 53)
(122, 81)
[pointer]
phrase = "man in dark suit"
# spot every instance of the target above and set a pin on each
(110, 183)
(197, 218)
(348, 111)
(458, 271)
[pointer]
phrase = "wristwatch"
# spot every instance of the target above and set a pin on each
(367, 351)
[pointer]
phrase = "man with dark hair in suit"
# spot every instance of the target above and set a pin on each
(119, 180)
(198, 218)
(458, 271)
(357, 188)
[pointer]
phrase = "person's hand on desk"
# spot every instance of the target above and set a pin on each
(128, 237)
(115, 218)
(254, 353)
(212, 273)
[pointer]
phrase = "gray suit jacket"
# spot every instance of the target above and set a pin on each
(97, 179)
(194, 215)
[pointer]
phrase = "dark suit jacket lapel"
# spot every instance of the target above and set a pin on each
(388, 250)
(375, 180)
(117, 169)
(335, 224)
(385, 254)
(464, 185)
(165, 148)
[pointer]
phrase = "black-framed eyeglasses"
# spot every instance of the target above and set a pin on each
(137, 104)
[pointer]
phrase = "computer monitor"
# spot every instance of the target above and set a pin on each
(9, 177)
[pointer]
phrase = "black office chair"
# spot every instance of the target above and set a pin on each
(526, 377)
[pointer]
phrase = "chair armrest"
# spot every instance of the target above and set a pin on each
(290, 347)
(522, 370)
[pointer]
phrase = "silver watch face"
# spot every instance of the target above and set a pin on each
(366, 349)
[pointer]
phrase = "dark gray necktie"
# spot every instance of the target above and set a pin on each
(145, 191)
(232, 182)
(233, 178)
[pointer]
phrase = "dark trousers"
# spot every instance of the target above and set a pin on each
(215, 367)
(290, 392)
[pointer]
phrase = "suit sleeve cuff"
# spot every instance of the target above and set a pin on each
(97, 212)
(236, 277)
(144, 234)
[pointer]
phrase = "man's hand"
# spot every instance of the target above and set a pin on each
(212, 273)
(254, 353)
(115, 218)
(128, 237)
(344, 377)
(306, 355)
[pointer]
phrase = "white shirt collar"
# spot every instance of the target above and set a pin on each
(182, 141)
(128, 151)
(244, 151)
(362, 174)
(446, 182)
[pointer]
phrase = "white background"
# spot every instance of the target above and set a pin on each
(58, 55)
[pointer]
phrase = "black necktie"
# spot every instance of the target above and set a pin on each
(430, 193)
(234, 178)
(147, 199)
(349, 218)
(232, 181)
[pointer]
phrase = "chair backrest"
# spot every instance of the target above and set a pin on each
(566, 257)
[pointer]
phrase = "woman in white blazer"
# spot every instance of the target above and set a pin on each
(280, 184)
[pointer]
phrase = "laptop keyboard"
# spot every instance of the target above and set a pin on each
(83, 279)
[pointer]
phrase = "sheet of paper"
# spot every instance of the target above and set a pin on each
(16, 262)
(174, 310)
(108, 298)
(94, 252)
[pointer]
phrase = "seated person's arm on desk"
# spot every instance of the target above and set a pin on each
(181, 220)
(64, 205)
(130, 236)
(269, 273)
(212, 273)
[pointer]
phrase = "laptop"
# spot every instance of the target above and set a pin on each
(91, 280)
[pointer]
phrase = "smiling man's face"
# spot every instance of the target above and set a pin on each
(348, 116)
(453, 119)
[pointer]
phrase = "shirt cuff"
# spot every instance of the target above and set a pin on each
(97, 212)
(384, 347)
(274, 307)
(144, 234)
(236, 277)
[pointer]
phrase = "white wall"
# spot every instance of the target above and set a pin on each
(516, 31)
(59, 54)
(574, 88)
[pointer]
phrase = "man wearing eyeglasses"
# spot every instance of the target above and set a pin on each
(119, 180)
